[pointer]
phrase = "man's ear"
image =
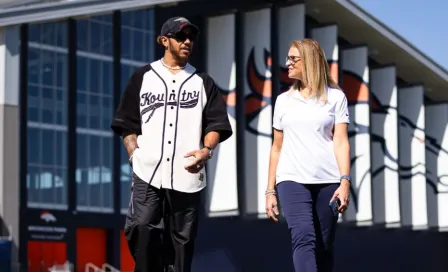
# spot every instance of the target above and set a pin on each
(165, 42)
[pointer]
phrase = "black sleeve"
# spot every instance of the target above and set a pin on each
(215, 116)
(127, 116)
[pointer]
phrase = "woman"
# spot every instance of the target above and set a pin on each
(310, 157)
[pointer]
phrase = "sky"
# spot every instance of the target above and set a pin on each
(423, 23)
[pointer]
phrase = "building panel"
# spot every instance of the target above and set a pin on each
(222, 195)
(436, 130)
(291, 27)
(327, 36)
(355, 83)
(411, 110)
(384, 137)
(258, 110)
(10, 140)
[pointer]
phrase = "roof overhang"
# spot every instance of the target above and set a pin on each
(38, 11)
(354, 24)
(385, 46)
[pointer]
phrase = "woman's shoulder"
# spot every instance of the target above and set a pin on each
(335, 94)
(282, 97)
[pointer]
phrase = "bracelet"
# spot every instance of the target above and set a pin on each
(270, 192)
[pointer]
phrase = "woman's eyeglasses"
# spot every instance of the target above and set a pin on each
(293, 59)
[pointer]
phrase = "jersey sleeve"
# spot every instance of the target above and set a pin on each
(127, 116)
(276, 119)
(341, 111)
(215, 117)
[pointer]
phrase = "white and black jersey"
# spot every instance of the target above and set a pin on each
(170, 113)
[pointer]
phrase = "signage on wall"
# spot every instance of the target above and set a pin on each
(46, 227)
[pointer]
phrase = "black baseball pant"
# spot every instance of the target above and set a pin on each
(161, 226)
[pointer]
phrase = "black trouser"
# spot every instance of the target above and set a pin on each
(161, 227)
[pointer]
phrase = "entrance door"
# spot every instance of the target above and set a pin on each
(90, 248)
(44, 254)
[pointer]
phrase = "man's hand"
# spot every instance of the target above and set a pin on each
(198, 158)
(130, 143)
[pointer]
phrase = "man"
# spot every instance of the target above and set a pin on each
(171, 118)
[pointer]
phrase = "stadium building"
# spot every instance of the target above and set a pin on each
(65, 180)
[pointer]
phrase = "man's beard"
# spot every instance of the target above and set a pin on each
(182, 60)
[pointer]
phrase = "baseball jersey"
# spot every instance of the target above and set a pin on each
(170, 114)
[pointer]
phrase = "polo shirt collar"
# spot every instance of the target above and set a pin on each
(296, 94)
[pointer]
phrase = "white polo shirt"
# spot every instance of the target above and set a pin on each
(307, 154)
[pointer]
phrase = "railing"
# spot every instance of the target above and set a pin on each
(91, 267)
(110, 268)
(67, 267)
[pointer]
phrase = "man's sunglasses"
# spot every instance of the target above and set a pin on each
(182, 36)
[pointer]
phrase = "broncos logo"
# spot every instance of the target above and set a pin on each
(260, 91)
(260, 86)
(334, 69)
(431, 143)
(357, 92)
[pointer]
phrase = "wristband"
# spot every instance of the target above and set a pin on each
(210, 152)
(347, 177)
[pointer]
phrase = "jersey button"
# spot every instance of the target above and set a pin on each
(169, 142)
(171, 125)
(168, 159)
(174, 81)
(172, 107)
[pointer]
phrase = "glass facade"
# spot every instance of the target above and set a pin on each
(94, 110)
(47, 116)
(137, 49)
(47, 108)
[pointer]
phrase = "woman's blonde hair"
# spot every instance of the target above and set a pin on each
(315, 70)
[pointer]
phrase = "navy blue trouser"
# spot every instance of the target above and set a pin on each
(311, 223)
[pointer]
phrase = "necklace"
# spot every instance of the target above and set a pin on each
(172, 68)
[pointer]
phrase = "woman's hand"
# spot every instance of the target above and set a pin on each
(343, 193)
(271, 207)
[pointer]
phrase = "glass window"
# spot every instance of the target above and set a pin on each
(33, 64)
(137, 49)
(47, 116)
(138, 35)
(33, 102)
(82, 26)
(81, 69)
(125, 175)
(94, 112)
